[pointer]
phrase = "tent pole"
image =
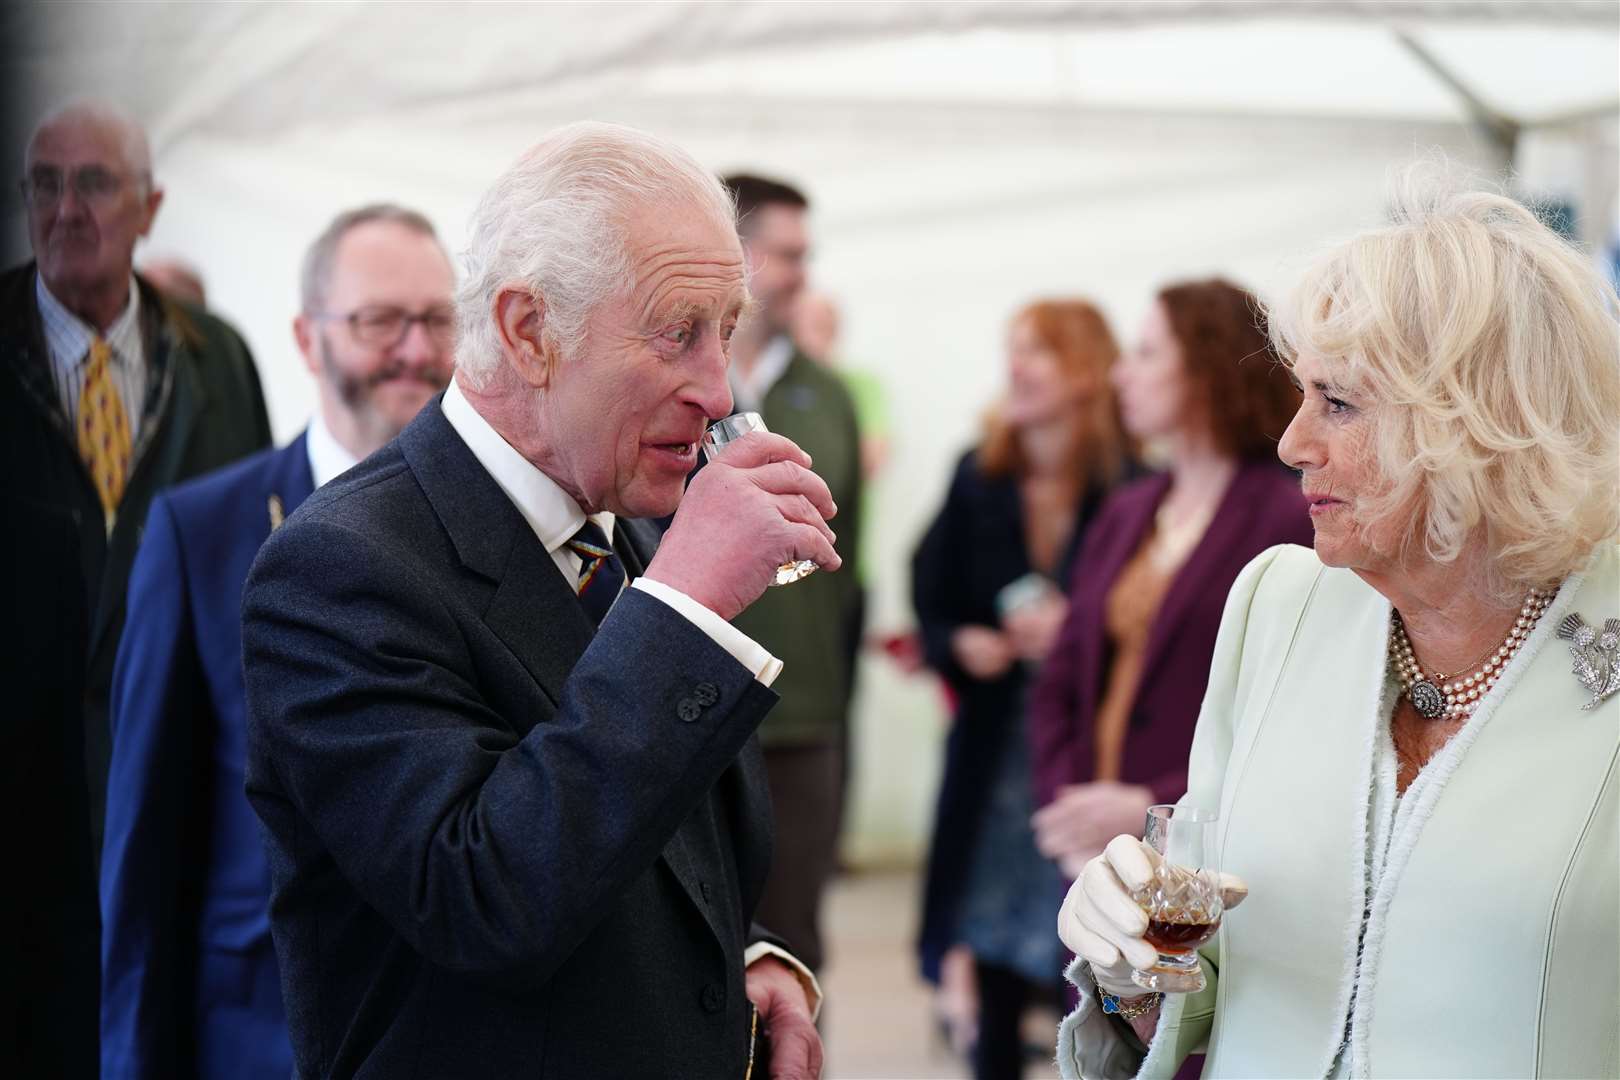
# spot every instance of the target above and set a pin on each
(1500, 130)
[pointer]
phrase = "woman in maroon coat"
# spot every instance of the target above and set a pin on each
(1111, 716)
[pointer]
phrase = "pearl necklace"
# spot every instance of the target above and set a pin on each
(1434, 697)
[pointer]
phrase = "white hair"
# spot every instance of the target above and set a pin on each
(1490, 348)
(137, 151)
(556, 224)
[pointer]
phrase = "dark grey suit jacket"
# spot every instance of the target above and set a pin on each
(500, 844)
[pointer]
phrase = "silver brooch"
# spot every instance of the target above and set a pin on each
(1597, 656)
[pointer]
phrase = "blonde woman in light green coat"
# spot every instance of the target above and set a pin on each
(1412, 735)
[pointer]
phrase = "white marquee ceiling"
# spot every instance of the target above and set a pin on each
(262, 67)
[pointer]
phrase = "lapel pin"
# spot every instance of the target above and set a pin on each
(277, 514)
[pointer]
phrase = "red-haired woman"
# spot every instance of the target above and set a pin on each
(1111, 718)
(986, 587)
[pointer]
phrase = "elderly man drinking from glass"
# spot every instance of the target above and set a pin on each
(501, 738)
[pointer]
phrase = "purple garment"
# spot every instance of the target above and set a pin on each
(1262, 507)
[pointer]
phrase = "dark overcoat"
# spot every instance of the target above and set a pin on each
(203, 409)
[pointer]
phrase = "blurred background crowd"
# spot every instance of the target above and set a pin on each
(1012, 261)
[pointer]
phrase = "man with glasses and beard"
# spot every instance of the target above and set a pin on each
(109, 392)
(190, 984)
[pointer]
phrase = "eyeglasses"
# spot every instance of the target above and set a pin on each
(93, 184)
(384, 327)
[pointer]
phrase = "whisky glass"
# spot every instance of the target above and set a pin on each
(729, 429)
(1182, 899)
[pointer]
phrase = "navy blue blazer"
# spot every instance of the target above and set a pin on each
(502, 843)
(189, 984)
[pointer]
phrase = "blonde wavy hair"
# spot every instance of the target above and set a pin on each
(1489, 349)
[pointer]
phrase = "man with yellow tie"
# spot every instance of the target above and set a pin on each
(109, 392)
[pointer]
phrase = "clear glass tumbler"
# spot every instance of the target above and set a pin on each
(1182, 899)
(728, 429)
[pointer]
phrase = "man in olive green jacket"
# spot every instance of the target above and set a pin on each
(812, 625)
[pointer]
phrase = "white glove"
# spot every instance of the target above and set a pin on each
(1102, 923)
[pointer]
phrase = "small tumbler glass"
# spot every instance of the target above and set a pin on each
(1182, 899)
(728, 429)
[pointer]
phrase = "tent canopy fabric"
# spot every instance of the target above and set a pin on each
(264, 66)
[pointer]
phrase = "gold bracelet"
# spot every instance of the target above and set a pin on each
(1114, 1005)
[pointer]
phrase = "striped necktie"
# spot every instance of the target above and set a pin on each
(104, 441)
(601, 574)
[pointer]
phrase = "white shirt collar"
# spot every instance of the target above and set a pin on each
(68, 337)
(750, 391)
(328, 458)
(550, 511)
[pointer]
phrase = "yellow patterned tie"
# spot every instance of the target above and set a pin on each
(104, 441)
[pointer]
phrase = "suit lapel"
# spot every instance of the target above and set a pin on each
(533, 610)
(1225, 529)
(175, 398)
(1133, 528)
(288, 481)
(289, 477)
(537, 614)
(635, 540)
(1135, 519)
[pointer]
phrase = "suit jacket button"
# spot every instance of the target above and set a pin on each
(706, 694)
(688, 710)
(713, 998)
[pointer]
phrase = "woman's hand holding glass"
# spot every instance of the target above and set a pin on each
(1102, 922)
